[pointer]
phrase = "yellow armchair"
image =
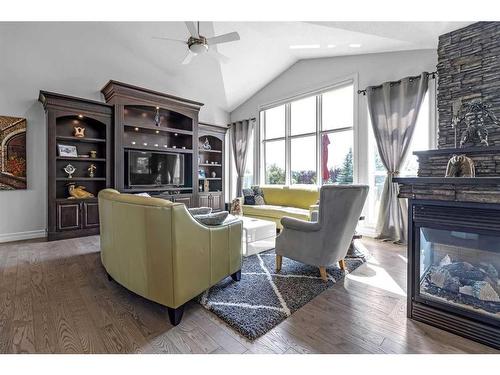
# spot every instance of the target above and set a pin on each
(155, 248)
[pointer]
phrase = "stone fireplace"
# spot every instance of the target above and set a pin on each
(454, 222)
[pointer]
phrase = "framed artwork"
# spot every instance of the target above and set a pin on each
(12, 153)
(67, 151)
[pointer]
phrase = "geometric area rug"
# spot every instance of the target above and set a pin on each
(262, 298)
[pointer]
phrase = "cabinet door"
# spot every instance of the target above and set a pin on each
(204, 200)
(68, 216)
(216, 202)
(90, 214)
(185, 200)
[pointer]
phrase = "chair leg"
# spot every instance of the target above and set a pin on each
(342, 264)
(175, 315)
(236, 276)
(322, 272)
(279, 262)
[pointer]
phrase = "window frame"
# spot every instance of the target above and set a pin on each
(318, 133)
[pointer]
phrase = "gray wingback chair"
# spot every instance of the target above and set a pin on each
(326, 241)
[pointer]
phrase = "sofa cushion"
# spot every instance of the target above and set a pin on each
(248, 196)
(275, 212)
(258, 196)
(300, 197)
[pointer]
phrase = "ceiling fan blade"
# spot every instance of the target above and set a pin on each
(224, 38)
(170, 39)
(193, 30)
(187, 59)
(218, 56)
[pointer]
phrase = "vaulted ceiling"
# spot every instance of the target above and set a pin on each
(266, 49)
(127, 51)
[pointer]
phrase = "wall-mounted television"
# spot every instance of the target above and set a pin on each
(153, 169)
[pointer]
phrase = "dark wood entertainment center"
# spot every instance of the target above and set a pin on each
(132, 119)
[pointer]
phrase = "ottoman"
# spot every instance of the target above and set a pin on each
(257, 236)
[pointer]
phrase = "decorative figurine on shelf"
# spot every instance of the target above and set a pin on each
(91, 170)
(206, 145)
(157, 117)
(93, 154)
(206, 186)
(213, 174)
(460, 166)
(79, 132)
(475, 115)
(69, 169)
(79, 192)
(236, 207)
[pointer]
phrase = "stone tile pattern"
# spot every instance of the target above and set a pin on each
(468, 69)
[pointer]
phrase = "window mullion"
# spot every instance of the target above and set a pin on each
(288, 179)
(319, 124)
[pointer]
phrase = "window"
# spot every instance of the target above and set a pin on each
(303, 160)
(310, 140)
(377, 172)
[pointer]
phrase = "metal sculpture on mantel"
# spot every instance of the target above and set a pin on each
(475, 115)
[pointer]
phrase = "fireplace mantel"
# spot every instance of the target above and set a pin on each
(448, 180)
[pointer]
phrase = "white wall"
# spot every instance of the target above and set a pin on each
(78, 59)
(313, 74)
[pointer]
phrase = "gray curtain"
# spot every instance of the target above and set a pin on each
(393, 109)
(240, 132)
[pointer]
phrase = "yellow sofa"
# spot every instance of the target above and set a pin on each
(297, 202)
(156, 249)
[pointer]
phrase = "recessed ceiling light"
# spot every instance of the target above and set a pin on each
(354, 45)
(331, 46)
(304, 46)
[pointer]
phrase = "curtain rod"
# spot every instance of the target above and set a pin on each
(432, 75)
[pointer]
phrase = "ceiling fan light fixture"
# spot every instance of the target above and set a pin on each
(198, 48)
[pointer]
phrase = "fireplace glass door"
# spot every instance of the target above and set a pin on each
(459, 270)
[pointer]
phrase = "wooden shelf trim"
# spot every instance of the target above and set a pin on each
(76, 139)
(80, 158)
(158, 149)
(161, 129)
(213, 151)
(81, 179)
(209, 165)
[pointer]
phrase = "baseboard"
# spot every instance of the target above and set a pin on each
(19, 236)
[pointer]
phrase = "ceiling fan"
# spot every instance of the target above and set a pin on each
(198, 44)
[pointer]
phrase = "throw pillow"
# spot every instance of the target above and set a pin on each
(258, 196)
(212, 219)
(249, 197)
(200, 210)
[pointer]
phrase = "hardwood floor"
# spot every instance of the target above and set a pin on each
(55, 298)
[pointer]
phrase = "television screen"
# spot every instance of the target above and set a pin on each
(147, 168)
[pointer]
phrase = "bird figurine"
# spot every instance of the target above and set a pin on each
(78, 192)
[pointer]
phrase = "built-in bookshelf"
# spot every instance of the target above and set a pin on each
(211, 166)
(79, 140)
(150, 121)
